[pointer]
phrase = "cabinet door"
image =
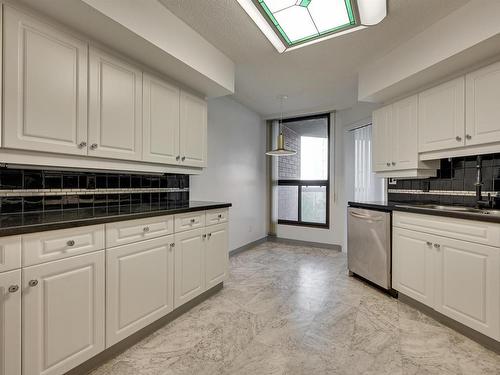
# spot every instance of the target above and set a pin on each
(216, 254)
(139, 285)
(63, 313)
(412, 265)
(189, 268)
(468, 284)
(382, 139)
(10, 253)
(482, 109)
(405, 142)
(10, 323)
(441, 116)
(115, 107)
(45, 100)
(193, 130)
(160, 121)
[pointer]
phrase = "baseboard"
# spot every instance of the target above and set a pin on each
(133, 339)
(476, 336)
(248, 246)
(305, 243)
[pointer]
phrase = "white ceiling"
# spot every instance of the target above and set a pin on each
(320, 76)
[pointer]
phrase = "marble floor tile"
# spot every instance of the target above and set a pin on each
(289, 309)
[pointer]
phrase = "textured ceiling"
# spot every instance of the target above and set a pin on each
(322, 75)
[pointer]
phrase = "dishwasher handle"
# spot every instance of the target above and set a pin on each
(365, 217)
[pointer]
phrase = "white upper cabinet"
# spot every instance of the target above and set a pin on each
(482, 105)
(441, 116)
(404, 129)
(193, 130)
(115, 107)
(382, 139)
(160, 121)
(45, 87)
(10, 323)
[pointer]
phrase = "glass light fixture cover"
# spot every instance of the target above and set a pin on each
(281, 150)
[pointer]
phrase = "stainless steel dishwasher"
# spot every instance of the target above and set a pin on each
(369, 245)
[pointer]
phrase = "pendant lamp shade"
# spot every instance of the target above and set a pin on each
(280, 150)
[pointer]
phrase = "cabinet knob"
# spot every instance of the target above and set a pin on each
(82, 144)
(437, 246)
(393, 163)
(172, 244)
(13, 288)
(93, 146)
(458, 138)
(220, 216)
(209, 235)
(429, 243)
(178, 157)
(70, 243)
(33, 283)
(388, 164)
(192, 221)
(204, 236)
(183, 158)
(468, 136)
(145, 229)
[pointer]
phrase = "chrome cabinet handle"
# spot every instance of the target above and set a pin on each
(468, 136)
(429, 243)
(178, 157)
(458, 138)
(33, 283)
(183, 158)
(437, 246)
(145, 229)
(220, 216)
(192, 221)
(82, 144)
(388, 164)
(70, 243)
(13, 288)
(172, 244)
(209, 235)
(204, 236)
(393, 163)
(93, 146)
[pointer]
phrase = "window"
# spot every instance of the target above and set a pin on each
(298, 21)
(303, 178)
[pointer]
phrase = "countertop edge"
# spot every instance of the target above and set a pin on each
(44, 227)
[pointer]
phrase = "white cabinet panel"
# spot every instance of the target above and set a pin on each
(413, 265)
(63, 314)
(482, 108)
(382, 139)
(10, 323)
(193, 130)
(217, 216)
(405, 145)
(441, 116)
(10, 253)
(160, 121)
(189, 220)
(45, 73)
(57, 244)
(139, 284)
(189, 263)
(115, 107)
(216, 255)
(129, 231)
(468, 284)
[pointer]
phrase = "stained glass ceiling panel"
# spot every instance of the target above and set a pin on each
(299, 21)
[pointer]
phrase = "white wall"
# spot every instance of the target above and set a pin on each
(236, 171)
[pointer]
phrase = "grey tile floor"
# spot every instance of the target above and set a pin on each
(294, 310)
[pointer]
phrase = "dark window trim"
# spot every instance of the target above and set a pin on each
(301, 183)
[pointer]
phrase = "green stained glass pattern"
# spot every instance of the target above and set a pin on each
(298, 21)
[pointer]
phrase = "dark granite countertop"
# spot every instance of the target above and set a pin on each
(29, 222)
(390, 206)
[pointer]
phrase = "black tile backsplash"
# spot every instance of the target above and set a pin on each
(454, 175)
(40, 183)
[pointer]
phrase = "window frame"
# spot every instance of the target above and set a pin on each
(302, 183)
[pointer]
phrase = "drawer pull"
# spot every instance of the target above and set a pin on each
(437, 246)
(33, 283)
(429, 243)
(70, 243)
(13, 288)
(209, 235)
(192, 221)
(145, 229)
(220, 216)
(204, 236)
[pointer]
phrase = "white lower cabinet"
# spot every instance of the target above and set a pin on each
(189, 265)
(10, 323)
(457, 278)
(216, 255)
(63, 313)
(139, 285)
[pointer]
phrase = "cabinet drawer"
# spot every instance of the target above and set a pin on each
(460, 229)
(190, 220)
(47, 246)
(217, 216)
(130, 231)
(10, 253)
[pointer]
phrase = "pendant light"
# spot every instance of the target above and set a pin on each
(281, 150)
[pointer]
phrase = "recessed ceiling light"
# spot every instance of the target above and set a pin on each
(292, 23)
